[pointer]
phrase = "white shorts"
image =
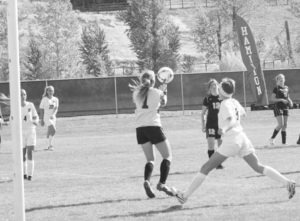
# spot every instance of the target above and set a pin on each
(50, 122)
(29, 138)
(236, 145)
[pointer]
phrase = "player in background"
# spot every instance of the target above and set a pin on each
(48, 110)
(209, 117)
(149, 130)
(235, 143)
(30, 120)
(282, 102)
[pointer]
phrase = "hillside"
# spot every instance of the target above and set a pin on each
(268, 22)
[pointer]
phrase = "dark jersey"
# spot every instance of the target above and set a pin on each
(212, 103)
(281, 93)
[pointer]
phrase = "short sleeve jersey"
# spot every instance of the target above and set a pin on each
(283, 93)
(231, 108)
(146, 112)
(212, 103)
(49, 106)
(27, 114)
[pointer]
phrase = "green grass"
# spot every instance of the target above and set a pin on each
(96, 173)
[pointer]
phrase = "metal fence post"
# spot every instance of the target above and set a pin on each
(116, 95)
(182, 94)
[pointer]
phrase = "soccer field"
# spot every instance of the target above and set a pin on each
(96, 173)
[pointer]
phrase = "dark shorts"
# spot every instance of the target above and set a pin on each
(212, 132)
(151, 134)
(280, 112)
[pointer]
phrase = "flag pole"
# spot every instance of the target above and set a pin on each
(15, 107)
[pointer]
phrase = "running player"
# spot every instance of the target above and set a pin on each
(282, 102)
(48, 109)
(235, 143)
(30, 120)
(210, 109)
(149, 130)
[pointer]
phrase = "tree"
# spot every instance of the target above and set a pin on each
(214, 28)
(33, 61)
(58, 32)
(154, 38)
(94, 51)
(4, 71)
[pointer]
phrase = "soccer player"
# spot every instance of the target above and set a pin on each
(210, 109)
(30, 120)
(48, 109)
(282, 102)
(149, 130)
(235, 143)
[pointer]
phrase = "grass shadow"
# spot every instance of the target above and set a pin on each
(49, 207)
(177, 208)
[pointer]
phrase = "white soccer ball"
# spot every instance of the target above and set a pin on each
(165, 75)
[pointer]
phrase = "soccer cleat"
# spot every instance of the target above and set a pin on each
(25, 177)
(29, 178)
(220, 167)
(291, 188)
(164, 188)
(271, 142)
(148, 189)
(180, 197)
(51, 148)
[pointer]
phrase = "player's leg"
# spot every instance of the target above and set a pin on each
(298, 141)
(215, 160)
(279, 120)
(50, 134)
(219, 142)
(210, 136)
(30, 161)
(164, 148)
(24, 163)
(150, 157)
(284, 126)
(254, 163)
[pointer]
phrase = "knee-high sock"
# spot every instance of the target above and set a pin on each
(210, 153)
(25, 167)
(31, 167)
(275, 132)
(197, 181)
(283, 137)
(148, 170)
(275, 175)
(164, 170)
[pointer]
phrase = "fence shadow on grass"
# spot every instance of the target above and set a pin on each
(49, 207)
(177, 208)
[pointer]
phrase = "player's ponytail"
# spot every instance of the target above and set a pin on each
(140, 88)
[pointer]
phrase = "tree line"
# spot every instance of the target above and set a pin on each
(54, 44)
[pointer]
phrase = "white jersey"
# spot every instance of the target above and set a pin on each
(49, 106)
(28, 112)
(231, 108)
(147, 111)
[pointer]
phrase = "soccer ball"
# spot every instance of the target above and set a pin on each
(165, 75)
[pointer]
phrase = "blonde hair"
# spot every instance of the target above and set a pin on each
(278, 76)
(209, 83)
(141, 87)
(46, 89)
